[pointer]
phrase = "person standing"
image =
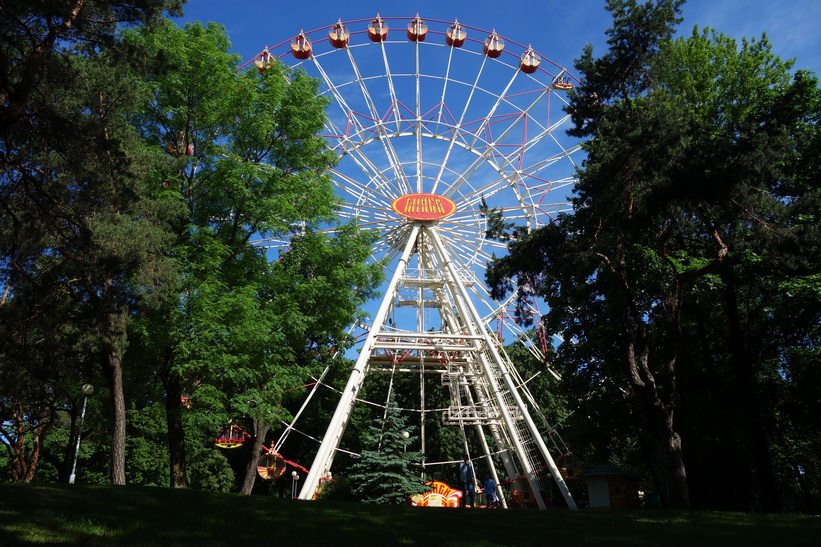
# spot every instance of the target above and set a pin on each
(489, 487)
(467, 479)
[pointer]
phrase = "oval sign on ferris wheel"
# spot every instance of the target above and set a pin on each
(423, 206)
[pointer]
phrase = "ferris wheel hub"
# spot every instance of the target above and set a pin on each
(423, 206)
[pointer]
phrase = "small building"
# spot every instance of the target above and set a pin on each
(610, 487)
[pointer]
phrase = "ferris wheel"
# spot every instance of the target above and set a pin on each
(435, 123)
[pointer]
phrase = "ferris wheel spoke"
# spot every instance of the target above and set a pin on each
(418, 121)
(367, 218)
(547, 162)
(394, 104)
(548, 132)
(347, 145)
(362, 191)
(441, 106)
(499, 99)
(457, 128)
(488, 190)
(465, 243)
(537, 187)
(371, 171)
(337, 95)
(514, 122)
(379, 123)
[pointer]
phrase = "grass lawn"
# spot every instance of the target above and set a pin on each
(104, 515)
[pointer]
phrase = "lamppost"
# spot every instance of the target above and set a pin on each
(294, 481)
(405, 436)
(87, 391)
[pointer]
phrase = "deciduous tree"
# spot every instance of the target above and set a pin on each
(244, 161)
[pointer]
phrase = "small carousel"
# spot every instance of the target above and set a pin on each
(231, 436)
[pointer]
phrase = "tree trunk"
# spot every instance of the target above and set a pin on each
(748, 397)
(677, 494)
(113, 367)
(24, 456)
(176, 432)
(658, 417)
(260, 430)
(656, 410)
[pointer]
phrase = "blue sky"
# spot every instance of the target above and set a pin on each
(557, 30)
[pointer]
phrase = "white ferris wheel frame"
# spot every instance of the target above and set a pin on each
(522, 164)
(479, 129)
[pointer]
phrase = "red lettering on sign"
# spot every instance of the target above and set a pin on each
(423, 206)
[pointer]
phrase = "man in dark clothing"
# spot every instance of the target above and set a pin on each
(489, 487)
(466, 478)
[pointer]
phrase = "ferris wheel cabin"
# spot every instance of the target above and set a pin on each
(378, 30)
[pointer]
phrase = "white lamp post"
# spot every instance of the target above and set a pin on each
(294, 481)
(87, 391)
(405, 437)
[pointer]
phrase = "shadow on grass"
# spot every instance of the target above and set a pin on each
(94, 515)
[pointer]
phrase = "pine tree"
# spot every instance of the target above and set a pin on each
(383, 473)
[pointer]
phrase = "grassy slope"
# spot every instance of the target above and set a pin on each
(82, 515)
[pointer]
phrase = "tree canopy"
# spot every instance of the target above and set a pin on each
(133, 247)
(689, 204)
(141, 168)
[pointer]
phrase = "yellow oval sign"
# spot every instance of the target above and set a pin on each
(423, 206)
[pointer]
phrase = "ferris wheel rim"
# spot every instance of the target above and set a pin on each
(485, 133)
(384, 125)
(506, 38)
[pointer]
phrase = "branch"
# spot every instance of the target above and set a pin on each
(17, 99)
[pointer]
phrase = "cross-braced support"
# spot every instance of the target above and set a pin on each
(485, 391)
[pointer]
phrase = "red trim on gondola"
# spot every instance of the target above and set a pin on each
(378, 30)
(455, 35)
(339, 35)
(417, 29)
(494, 45)
(529, 61)
(301, 46)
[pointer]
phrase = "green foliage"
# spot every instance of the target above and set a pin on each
(209, 470)
(147, 446)
(142, 228)
(383, 472)
(690, 212)
(79, 238)
(239, 154)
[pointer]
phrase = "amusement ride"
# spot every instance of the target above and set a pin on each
(436, 124)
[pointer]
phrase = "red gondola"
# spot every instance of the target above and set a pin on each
(529, 61)
(494, 45)
(264, 61)
(231, 436)
(270, 466)
(301, 46)
(417, 29)
(182, 147)
(378, 30)
(456, 34)
(339, 35)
